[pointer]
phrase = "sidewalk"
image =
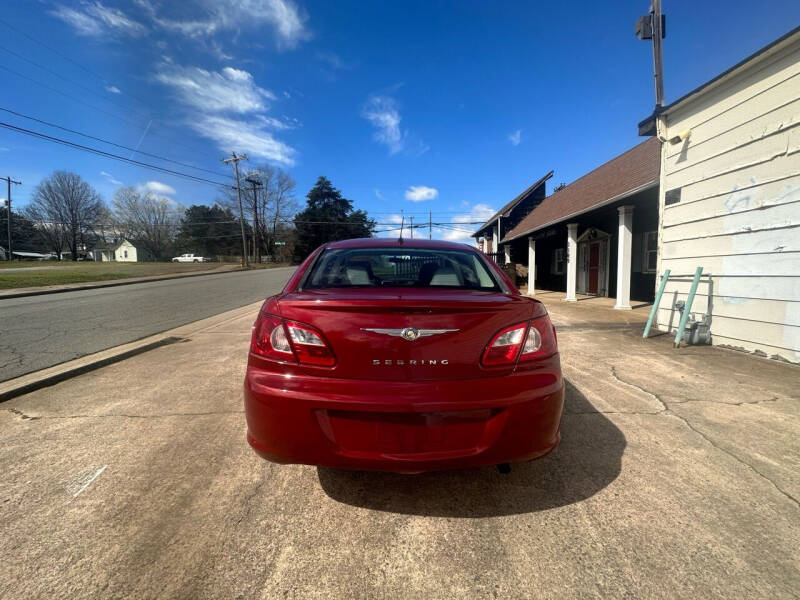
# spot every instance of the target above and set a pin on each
(676, 477)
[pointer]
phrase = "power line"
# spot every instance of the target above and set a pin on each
(111, 155)
(66, 95)
(110, 143)
(93, 107)
(65, 57)
(67, 79)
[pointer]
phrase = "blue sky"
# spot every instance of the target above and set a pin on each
(449, 107)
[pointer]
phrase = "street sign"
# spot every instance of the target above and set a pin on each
(280, 243)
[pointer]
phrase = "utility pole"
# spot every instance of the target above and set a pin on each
(652, 27)
(402, 223)
(430, 225)
(256, 231)
(411, 227)
(235, 158)
(8, 211)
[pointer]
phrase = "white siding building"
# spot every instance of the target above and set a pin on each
(124, 251)
(729, 202)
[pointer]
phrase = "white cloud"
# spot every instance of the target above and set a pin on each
(155, 187)
(110, 178)
(231, 89)
(287, 20)
(334, 61)
(113, 89)
(96, 19)
(421, 193)
(211, 98)
(244, 136)
(462, 233)
(515, 138)
(383, 114)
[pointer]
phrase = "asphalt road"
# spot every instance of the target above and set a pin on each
(41, 331)
(676, 477)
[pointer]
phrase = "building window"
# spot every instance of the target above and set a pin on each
(558, 266)
(650, 247)
(125, 252)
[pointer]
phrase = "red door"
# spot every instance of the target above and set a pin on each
(594, 267)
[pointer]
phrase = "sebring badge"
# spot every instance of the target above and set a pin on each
(409, 333)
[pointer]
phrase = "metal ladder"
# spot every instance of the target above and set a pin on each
(687, 307)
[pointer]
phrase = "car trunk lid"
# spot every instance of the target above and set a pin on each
(407, 335)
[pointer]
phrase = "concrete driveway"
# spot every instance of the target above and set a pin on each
(676, 478)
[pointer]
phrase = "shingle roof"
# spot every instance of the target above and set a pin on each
(629, 171)
(503, 212)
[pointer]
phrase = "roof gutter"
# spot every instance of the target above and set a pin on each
(618, 197)
(506, 210)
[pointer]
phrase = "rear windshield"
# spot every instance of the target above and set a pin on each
(400, 267)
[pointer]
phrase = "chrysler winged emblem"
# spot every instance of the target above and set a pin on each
(409, 333)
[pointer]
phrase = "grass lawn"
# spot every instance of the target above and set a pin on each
(24, 274)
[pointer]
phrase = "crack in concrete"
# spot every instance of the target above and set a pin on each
(122, 415)
(21, 414)
(641, 389)
(248, 502)
(773, 399)
(613, 412)
(669, 413)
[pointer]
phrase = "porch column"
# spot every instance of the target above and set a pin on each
(625, 243)
(572, 261)
(507, 253)
(531, 266)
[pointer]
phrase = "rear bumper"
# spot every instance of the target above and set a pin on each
(404, 426)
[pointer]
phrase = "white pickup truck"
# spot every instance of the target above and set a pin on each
(189, 258)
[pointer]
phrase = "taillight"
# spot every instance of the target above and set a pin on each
(290, 341)
(270, 339)
(505, 346)
(309, 346)
(520, 340)
(540, 341)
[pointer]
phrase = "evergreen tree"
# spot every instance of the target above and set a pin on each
(328, 217)
(23, 234)
(210, 231)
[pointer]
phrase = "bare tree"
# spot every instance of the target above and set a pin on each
(283, 205)
(274, 202)
(64, 208)
(151, 220)
(104, 227)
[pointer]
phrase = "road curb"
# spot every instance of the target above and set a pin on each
(67, 370)
(63, 374)
(106, 284)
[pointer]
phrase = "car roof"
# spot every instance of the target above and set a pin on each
(396, 243)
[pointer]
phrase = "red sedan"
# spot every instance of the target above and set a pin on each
(402, 355)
